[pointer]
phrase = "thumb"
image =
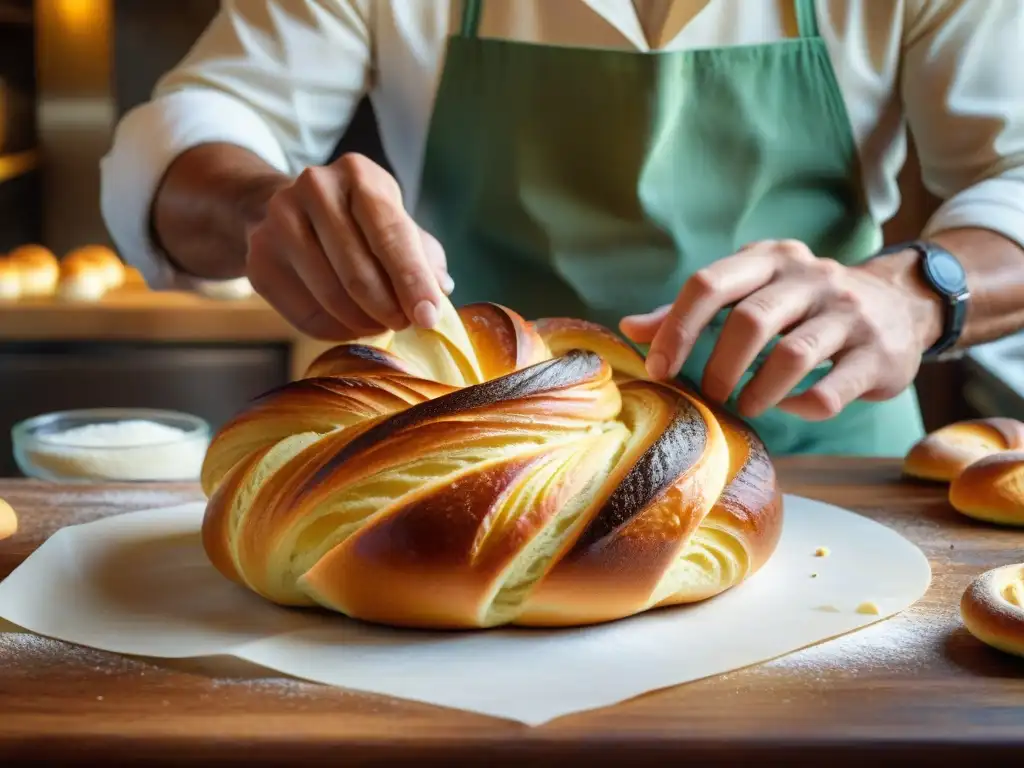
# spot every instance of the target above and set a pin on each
(641, 329)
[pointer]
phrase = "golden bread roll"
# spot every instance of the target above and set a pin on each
(491, 471)
(10, 281)
(81, 281)
(992, 608)
(133, 280)
(38, 270)
(100, 258)
(8, 521)
(946, 452)
(992, 489)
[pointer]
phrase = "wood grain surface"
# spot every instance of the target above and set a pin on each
(916, 689)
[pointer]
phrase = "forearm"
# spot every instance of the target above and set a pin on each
(206, 204)
(995, 278)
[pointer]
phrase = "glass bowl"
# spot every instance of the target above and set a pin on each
(111, 445)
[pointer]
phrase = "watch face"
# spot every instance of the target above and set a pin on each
(946, 271)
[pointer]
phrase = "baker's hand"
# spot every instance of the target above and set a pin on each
(338, 256)
(871, 320)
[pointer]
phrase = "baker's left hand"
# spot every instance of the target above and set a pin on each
(872, 321)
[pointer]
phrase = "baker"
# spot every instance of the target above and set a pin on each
(709, 176)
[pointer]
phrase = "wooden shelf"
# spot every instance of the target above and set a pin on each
(156, 317)
(143, 316)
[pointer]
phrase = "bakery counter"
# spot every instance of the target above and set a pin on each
(140, 348)
(915, 689)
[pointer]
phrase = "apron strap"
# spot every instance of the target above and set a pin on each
(471, 10)
(806, 18)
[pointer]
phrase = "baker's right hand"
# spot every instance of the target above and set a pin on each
(339, 257)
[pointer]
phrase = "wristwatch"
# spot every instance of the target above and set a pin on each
(945, 275)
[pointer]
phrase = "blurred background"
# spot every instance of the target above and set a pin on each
(68, 70)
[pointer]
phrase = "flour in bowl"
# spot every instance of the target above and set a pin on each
(132, 449)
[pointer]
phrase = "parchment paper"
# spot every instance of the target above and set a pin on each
(140, 584)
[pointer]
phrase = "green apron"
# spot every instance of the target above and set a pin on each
(592, 183)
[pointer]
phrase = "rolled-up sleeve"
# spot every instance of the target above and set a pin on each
(280, 78)
(963, 90)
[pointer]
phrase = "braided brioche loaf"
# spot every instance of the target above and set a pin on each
(490, 471)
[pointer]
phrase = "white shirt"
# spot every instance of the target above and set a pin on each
(282, 78)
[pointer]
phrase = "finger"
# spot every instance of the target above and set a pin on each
(854, 374)
(282, 288)
(701, 298)
(292, 236)
(750, 326)
(394, 240)
(438, 262)
(360, 274)
(793, 358)
(641, 329)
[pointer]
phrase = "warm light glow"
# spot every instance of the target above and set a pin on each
(12, 166)
(76, 14)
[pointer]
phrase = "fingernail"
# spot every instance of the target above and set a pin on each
(657, 366)
(425, 314)
(447, 284)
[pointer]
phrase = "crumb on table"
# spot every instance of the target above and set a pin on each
(869, 607)
(822, 552)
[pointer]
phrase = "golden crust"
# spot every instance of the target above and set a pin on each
(99, 258)
(492, 471)
(564, 334)
(992, 608)
(502, 340)
(134, 280)
(81, 281)
(38, 270)
(319, 405)
(992, 489)
(660, 492)
(33, 254)
(942, 455)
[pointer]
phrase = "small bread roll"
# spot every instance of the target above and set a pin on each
(10, 281)
(992, 608)
(8, 521)
(81, 281)
(38, 270)
(992, 489)
(133, 280)
(945, 453)
(104, 260)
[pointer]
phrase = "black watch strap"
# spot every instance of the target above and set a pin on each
(945, 275)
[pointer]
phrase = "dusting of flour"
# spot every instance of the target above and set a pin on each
(888, 644)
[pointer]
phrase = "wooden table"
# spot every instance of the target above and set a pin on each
(912, 690)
